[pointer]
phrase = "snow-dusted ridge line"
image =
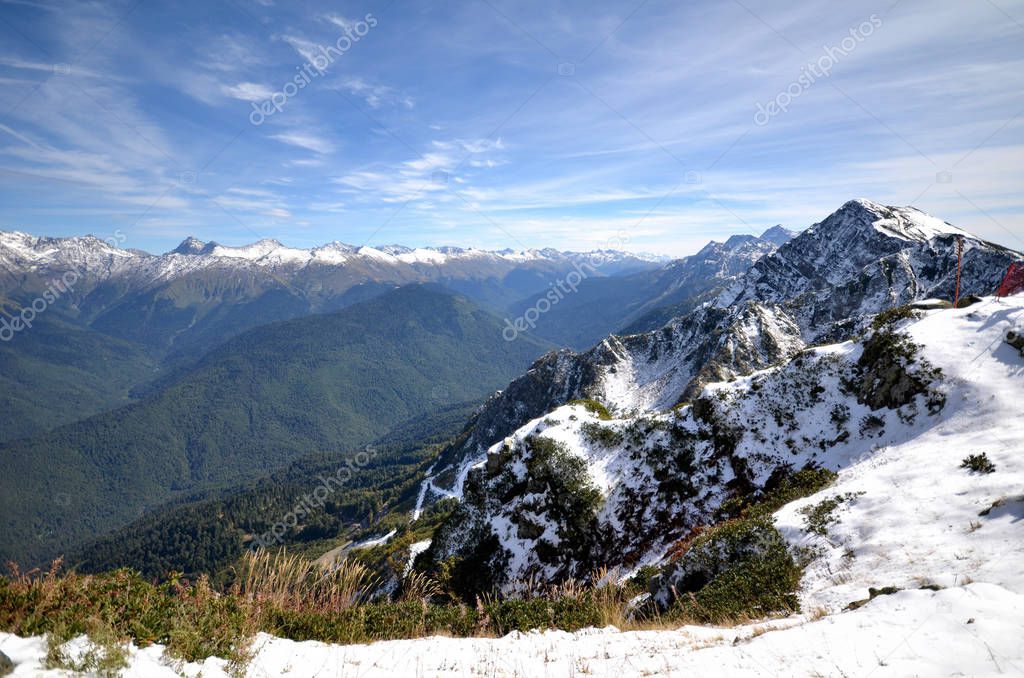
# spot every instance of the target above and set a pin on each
(909, 223)
(335, 252)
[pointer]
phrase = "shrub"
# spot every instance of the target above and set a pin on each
(872, 594)
(818, 517)
(753, 589)
(594, 407)
(194, 621)
(564, 477)
(884, 378)
(890, 317)
(568, 613)
(778, 493)
(604, 436)
(978, 463)
(739, 569)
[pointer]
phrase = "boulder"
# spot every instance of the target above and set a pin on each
(1015, 339)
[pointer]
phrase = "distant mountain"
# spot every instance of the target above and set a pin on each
(643, 301)
(697, 277)
(163, 313)
(207, 533)
(824, 285)
(186, 301)
(779, 235)
(319, 384)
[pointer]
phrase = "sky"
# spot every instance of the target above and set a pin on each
(649, 126)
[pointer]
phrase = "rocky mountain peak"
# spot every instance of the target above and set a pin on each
(778, 235)
(190, 245)
(904, 223)
(737, 241)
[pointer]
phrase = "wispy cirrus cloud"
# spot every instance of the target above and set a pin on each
(427, 175)
(248, 91)
(375, 95)
(306, 140)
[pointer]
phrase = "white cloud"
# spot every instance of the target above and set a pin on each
(375, 95)
(305, 140)
(341, 22)
(248, 91)
(64, 69)
(426, 175)
(306, 49)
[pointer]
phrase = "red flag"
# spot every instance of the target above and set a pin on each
(1013, 283)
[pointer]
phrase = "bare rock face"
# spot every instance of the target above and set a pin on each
(1016, 340)
(886, 379)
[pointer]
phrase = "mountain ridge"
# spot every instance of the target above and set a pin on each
(820, 287)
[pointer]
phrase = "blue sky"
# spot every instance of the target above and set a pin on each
(650, 126)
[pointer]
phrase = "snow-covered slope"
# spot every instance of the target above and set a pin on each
(973, 630)
(894, 413)
(922, 518)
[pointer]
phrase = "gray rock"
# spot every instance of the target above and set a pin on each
(6, 665)
(1016, 340)
(931, 304)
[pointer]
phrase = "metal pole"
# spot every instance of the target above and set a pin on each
(959, 268)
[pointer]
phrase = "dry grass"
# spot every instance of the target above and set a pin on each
(419, 586)
(289, 582)
(292, 597)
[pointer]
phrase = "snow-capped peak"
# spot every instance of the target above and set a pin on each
(189, 245)
(256, 250)
(906, 223)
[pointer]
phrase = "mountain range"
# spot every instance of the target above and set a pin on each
(163, 313)
(227, 373)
